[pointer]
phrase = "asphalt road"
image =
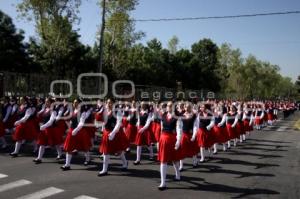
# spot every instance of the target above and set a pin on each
(267, 165)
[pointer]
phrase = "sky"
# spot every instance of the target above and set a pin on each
(271, 38)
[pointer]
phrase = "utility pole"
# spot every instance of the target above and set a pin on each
(101, 43)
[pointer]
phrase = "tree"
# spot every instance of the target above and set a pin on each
(54, 21)
(204, 65)
(13, 55)
(119, 35)
(173, 45)
(297, 84)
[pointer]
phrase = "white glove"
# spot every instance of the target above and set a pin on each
(111, 136)
(42, 128)
(177, 144)
(208, 128)
(17, 123)
(219, 125)
(193, 138)
(74, 132)
(141, 130)
(233, 126)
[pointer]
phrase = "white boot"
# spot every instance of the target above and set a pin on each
(215, 148)
(177, 171)
(138, 155)
(163, 175)
(181, 165)
(202, 154)
(106, 159)
(124, 161)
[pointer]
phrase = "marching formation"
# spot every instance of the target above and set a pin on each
(177, 130)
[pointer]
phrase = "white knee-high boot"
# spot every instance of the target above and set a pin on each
(3, 141)
(123, 159)
(177, 171)
(195, 160)
(138, 153)
(106, 159)
(59, 151)
(215, 148)
(244, 137)
(87, 156)
(163, 174)
(202, 154)
(229, 144)
(17, 147)
(68, 159)
(41, 152)
(181, 165)
(224, 147)
(151, 152)
(35, 146)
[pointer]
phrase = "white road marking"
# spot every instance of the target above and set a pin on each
(3, 175)
(84, 197)
(13, 185)
(42, 193)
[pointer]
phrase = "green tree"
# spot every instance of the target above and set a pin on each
(120, 35)
(173, 45)
(57, 39)
(13, 56)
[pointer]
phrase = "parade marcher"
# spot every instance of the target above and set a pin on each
(131, 129)
(78, 137)
(219, 128)
(169, 144)
(187, 147)
(240, 125)
(259, 115)
(49, 133)
(144, 136)
(114, 139)
(203, 126)
(248, 119)
(231, 122)
(26, 127)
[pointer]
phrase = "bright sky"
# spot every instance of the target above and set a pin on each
(272, 38)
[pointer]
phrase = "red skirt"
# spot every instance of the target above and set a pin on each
(27, 131)
(81, 141)
(144, 139)
(187, 147)
(119, 143)
(204, 139)
(258, 121)
(232, 132)
(50, 137)
(98, 117)
(157, 130)
(265, 119)
(220, 133)
(125, 122)
(270, 117)
(10, 123)
(2, 130)
(167, 152)
(247, 126)
(240, 128)
(131, 132)
(91, 131)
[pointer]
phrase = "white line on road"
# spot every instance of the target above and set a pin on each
(3, 175)
(282, 128)
(13, 185)
(84, 197)
(42, 193)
